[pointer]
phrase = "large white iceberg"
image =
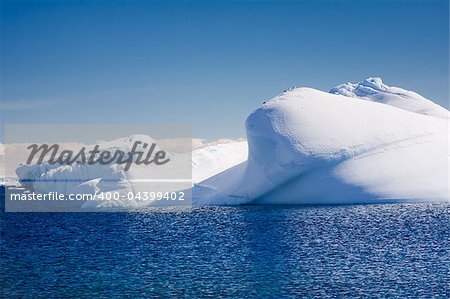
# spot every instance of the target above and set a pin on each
(311, 147)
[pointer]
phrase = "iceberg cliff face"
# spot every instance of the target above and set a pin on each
(312, 147)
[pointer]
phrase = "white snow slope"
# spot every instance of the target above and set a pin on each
(312, 147)
(216, 157)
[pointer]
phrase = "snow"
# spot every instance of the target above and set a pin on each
(215, 157)
(373, 89)
(312, 147)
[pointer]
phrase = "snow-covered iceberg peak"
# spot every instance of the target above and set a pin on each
(311, 147)
(364, 88)
(373, 89)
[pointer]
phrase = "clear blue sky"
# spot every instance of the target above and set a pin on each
(208, 64)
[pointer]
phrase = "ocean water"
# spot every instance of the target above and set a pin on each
(262, 252)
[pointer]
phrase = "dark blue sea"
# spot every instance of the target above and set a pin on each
(397, 251)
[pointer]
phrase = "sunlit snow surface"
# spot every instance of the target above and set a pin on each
(373, 89)
(308, 147)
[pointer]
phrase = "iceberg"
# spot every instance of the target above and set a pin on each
(97, 178)
(363, 143)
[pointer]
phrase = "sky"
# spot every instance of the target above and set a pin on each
(207, 64)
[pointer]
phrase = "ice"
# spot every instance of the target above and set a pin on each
(373, 89)
(312, 147)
